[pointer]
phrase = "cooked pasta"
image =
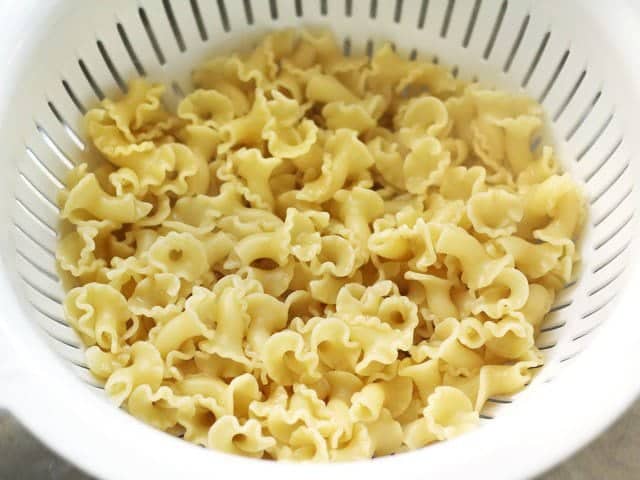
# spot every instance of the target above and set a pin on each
(316, 257)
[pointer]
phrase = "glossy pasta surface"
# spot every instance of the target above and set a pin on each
(315, 257)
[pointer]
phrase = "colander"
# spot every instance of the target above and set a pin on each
(578, 58)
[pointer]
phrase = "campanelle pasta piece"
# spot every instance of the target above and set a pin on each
(99, 312)
(495, 213)
(360, 116)
(385, 434)
(444, 345)
(512, 337)
(229, 436)
(102, 364)
(357, 208)
(421, 117)
(462, 182)
(159, 409)
(424, 166)
(268, 315)
(131, 123)
(502, 380)
(156, 295)
(81, 252)
(507, 292)
(435, 292)
(286, 360)
(479, 270)
(176, 331)
(532, 259)
(206, 107)
(538, 304)
(449, 413)
(87, 200)
(180, 254)
(345, 158)
(146, 368)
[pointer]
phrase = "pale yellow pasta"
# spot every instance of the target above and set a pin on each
(315, 257)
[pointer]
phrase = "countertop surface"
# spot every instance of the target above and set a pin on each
(613, 456)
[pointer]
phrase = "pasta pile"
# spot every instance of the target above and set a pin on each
(317, 257)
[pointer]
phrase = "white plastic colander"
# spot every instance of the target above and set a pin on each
(578, 58)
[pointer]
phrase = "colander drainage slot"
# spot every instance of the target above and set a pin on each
(33, 240)
(324, 8)
(35, 217)
(554, 77)
(273, 9)
(563, 106)
(48, 315)
(606, 283)
(177, 89)
(47, 295)
(348, 7)
(135, 60)
(422, 16)
(197, 16)
(175, 28)
(92, 82)
(536, 59)
(67, 128)
(561, 306)
(612, 258)
(248, 11)
(495, 30)
(500, 401)
(111, 67)
(595, 138)
(397, 13)
(601, 164)
(472, 23)
(446, 21)
(346, 47)
(73, 97)
(224, 18)
(151, 35)
(43, 167)
(615, 232)
(597, 309)
(553, 327)
(584, 334)
(62, 341)
(613, 208)
(610, 184)
(583, 117)
(53, 146)
(50, 275)
(516, 44)
(573, 355)
(38, 193)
